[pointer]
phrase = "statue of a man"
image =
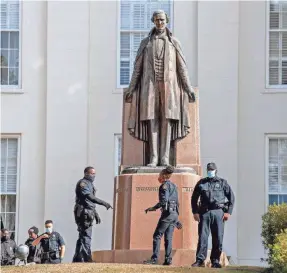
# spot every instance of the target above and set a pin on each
(159, 92)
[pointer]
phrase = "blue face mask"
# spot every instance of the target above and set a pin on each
(49, 230)
(211, 174)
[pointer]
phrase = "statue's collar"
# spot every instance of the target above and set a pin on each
(152, 32)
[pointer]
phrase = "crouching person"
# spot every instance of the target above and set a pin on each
(52, 244)
(8, 247)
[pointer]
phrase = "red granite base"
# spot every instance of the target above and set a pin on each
(180, 257)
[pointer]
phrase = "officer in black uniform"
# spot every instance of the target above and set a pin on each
(211, 214)
(8, 247)
(33, 234)
(52, 244)
(85, 213)
(168, 203)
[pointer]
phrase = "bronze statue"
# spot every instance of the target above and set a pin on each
(159, 92)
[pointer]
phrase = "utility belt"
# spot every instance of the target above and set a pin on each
(84, 216)
(204, 209)
(171, 206)
(53, 255)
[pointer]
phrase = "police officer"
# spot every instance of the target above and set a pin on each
(52, 244)
(168, 203)
(33, 234)
(85, 213)
(8, 247)
(211, 214)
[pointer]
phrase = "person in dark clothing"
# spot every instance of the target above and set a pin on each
(33, 234)
(85, 213)
(52, 244)
(168, 203)
(8, 247)
(211, 214)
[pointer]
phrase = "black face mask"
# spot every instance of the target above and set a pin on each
(90, 177)
(4, 238)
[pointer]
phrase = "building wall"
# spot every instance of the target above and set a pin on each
(218, 93)
(24, 114)
(261, 112)
(67, 112)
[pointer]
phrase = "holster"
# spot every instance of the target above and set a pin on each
(53, 255)
(45, 256)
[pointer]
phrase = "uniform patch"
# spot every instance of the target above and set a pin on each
(164, 187)
(217, 186)
(82, 184)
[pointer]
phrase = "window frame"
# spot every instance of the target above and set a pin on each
(120, 86)
(267, 138)
(280, 88)
(16, 88)
(17, 206)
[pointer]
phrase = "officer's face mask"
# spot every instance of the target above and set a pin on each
(211, 174)
(49, 229)
(4, 238)
(90, 177)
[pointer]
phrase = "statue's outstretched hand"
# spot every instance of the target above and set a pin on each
(128, 96)
(191, 96)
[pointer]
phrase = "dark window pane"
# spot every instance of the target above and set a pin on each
(10, 221)
(4, 58)
(11, 203)
(273, 199)
(3, 220)
(4, 39)
(4, 76)
(283, 198)
(14, 40)
(13, 76)
(3, 198)
(14, 58)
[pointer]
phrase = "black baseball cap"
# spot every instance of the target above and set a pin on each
(211, 166)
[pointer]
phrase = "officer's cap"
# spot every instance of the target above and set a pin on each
(211, 166)
(34, 230)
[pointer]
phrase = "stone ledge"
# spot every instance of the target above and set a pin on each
(180, 257)
(158, 169)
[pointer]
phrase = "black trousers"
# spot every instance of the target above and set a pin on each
(50, 261)
(210, 221)
(164, 227)
(83, 247)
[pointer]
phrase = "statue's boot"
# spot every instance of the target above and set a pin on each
(165, 143)
(153, 150)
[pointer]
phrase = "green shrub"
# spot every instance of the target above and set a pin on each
(279, 251)
(274, 222)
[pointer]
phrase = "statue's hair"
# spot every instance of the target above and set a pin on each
(160, 11)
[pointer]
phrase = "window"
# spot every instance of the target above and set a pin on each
(10, 11)
(277, 170)
(9, 173)
(118, 153)
(135, 24)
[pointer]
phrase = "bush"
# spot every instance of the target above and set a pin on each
(279, 251)
(274, 222)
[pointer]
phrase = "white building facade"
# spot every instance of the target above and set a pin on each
(63, 69)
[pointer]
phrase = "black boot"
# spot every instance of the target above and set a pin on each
(198, 264)
(151, 261)
(216, 265)
(167, 262)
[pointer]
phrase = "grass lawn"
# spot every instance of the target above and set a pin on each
(122, 268)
